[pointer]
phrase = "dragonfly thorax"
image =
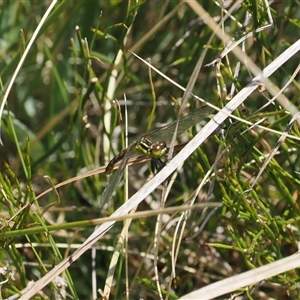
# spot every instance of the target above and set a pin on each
(146, 147)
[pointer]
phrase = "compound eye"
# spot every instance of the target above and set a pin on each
(159, 149)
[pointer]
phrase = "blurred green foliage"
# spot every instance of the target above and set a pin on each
(43, 133)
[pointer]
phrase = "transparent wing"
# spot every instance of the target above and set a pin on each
(115, 178)
(166, 132)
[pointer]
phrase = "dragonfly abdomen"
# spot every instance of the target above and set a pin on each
(109, 168)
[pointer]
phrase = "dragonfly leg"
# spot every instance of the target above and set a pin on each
(156, 165)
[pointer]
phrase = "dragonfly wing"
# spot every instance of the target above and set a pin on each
(166, 133)
(115, 178)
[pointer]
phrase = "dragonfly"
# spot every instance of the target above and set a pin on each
(154, 144)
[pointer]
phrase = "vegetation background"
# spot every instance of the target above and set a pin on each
(60, 122)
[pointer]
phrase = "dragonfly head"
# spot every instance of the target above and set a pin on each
(158, 149)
